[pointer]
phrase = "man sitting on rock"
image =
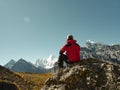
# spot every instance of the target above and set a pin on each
(70, 52)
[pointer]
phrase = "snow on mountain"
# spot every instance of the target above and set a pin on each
(93, 45)
(101, 51)
(46, 63)
(91, 41)
(50, 61)
(39, 63)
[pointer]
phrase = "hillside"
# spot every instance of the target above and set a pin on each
(89, 74)
(35, 80)
(24, 81)
(9, 76)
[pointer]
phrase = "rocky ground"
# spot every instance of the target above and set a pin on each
(89, 74)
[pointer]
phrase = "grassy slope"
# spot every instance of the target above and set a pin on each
(36, 81)
(26, 81)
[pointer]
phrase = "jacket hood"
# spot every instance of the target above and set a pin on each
(71, 41)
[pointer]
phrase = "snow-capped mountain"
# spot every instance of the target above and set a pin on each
(40, 66)
(46, 63)
(39, 62)
(101, 51)
(92, 44)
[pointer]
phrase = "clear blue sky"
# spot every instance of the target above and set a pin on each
(33, 29)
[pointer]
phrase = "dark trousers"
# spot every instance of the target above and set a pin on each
(63, 58)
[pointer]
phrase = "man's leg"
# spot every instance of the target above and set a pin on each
(66, 59)
(61, 59)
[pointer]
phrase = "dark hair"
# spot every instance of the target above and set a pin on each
(70, 37)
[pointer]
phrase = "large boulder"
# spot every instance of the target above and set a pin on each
(89, 74)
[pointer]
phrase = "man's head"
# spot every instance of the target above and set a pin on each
(70, 37)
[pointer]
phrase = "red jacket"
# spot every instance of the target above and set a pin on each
(72, 50)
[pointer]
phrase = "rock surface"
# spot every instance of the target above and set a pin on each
(89, 74)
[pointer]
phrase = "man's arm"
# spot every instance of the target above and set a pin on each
(62, 50)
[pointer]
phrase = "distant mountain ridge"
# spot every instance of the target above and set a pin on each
(40, 66)
(101, 51)
(110, 53)
(23, 66)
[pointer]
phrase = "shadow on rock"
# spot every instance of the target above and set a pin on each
(8, 86)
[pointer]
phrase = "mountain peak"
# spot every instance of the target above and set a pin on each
(92, 44)
(40, 63)
(51, 57)
(46, 63)
(91, 41)
(50, 61)
(10, 64)
(21, 59)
